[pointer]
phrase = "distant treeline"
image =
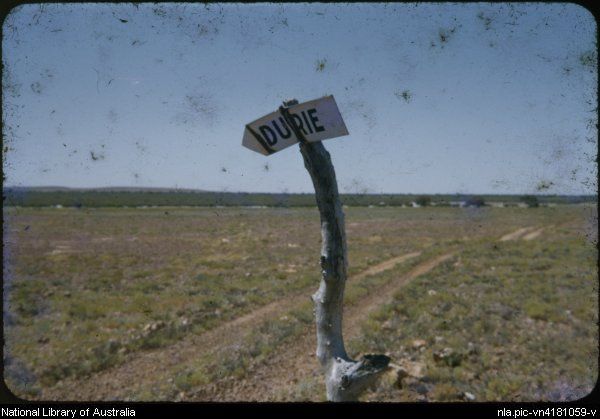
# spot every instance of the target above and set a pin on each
(26, 197)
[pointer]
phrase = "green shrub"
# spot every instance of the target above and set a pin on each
(530, 200)
(423, 200)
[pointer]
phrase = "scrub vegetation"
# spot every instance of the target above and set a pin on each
(95, 296)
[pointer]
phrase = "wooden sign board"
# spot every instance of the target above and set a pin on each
(318, 120)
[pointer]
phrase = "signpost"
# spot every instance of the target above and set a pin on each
(317, 120)
(308, 124)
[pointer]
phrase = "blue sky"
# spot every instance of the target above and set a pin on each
(438, 98)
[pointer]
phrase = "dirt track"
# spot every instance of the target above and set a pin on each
(273, 379)
(515, 234)
(115, 383)
(534, 234)
(268, 381)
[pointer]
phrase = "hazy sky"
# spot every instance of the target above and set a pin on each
(450, 98)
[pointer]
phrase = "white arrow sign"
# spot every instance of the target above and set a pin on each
(318, 120)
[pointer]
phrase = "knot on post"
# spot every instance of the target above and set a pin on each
(290, 102)
(323, 262)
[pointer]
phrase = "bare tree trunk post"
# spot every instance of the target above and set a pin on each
(345, 379)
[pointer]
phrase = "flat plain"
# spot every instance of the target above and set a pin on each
(209, 303)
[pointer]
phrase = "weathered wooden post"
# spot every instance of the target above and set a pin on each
(345, 378)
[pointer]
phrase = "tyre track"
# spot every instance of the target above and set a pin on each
(515, 234)
(114, 383)
(268, 380)
(296, 360)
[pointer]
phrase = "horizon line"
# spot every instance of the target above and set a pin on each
(174, 189)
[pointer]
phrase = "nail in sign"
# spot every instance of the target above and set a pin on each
(318, 120)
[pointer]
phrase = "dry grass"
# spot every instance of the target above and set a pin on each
(89, 289)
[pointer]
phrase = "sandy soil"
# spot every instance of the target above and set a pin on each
(272, 380)
(115, 383)
(516, 234)
(296, 361)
